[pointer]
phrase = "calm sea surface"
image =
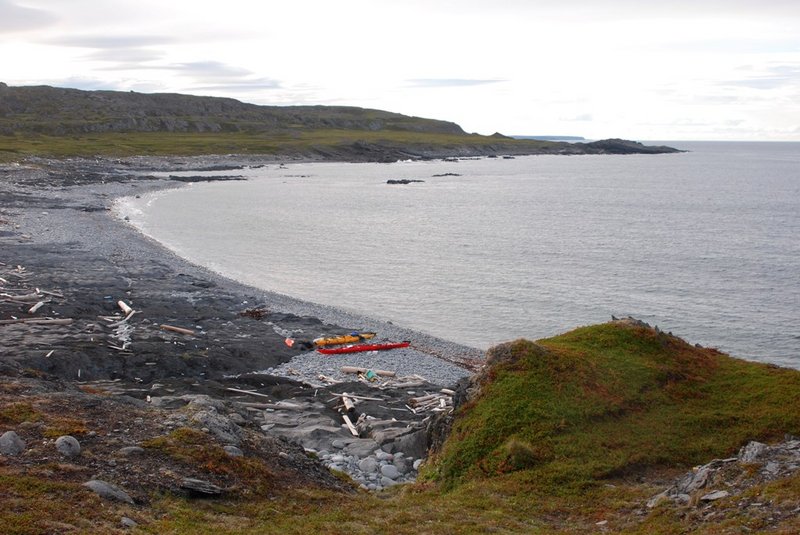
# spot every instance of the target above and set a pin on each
(705, 244)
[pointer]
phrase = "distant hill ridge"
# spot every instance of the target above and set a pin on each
(59, 111)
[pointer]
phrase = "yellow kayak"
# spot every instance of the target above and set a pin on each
(343, 339)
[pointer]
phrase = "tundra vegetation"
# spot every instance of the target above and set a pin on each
(573, 433)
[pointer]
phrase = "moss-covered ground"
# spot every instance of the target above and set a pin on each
(565, 433)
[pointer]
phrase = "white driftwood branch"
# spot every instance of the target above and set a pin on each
(354, 369)
(350, 425)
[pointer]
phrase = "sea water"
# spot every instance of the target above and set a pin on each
(704, 243)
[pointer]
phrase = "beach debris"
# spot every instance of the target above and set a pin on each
(436, 402)
(350, 425)
(179, 330)
(349, 403)
(38, 321)
(36, 307)
(256, 313)
(357, 370)
(124, 307)
(250, 392)
(328, 380)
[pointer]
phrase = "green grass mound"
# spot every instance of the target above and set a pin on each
(608, 401)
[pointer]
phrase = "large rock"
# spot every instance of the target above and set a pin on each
(413, 444)
(219, 426)
(751, 452)
(390, 471)
(200, 487)
(68, 446)
(11, 444)
(368, 465)
(108, 491)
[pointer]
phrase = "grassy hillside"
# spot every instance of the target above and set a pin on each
(62, 111)
(610, 400)
(559, 435)
(57, 122)
(322, 143)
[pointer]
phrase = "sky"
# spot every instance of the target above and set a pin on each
(637, 69)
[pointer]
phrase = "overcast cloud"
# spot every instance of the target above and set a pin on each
(685, 69)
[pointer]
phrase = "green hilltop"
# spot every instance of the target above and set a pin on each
(58, 122)
(570, 434)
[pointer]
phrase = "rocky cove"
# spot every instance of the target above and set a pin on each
(233, 377)
(194, 394)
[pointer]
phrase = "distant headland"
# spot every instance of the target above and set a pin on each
(57, 122)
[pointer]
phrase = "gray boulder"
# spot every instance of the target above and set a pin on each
(751, 452)
(390, 471)
(11, 444)
(413, 444)
(108, 491)
(233, 451)
(368, 465)
(129, 451)
(68, 446)
(219, 426)
(200, 487)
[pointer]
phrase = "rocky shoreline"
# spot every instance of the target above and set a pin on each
(233, 376)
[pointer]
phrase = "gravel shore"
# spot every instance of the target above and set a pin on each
(58, 222)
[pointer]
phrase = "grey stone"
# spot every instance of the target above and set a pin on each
(772, 468)
(368, 465)
(203, 401)
(11, 444)
(383, 456)
(237, 418)
(385, 436)
(658, 499)
(400, 464)
(131, 450)
(198, 486)
(337, 458)
(233, 451)
(716, 495)
(219, 426)
(695, 480)
(413, 444)
(68, 446)
(751, 452)
(390, 471)
(361, 448)
(108, 491)
(338, 444)
(418, 463)
(128, 522)
(387, 482)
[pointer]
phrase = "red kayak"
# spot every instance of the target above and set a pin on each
(363, 347)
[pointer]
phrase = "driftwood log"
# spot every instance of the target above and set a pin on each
(39, 321)
(179, 330)
(354, 369)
